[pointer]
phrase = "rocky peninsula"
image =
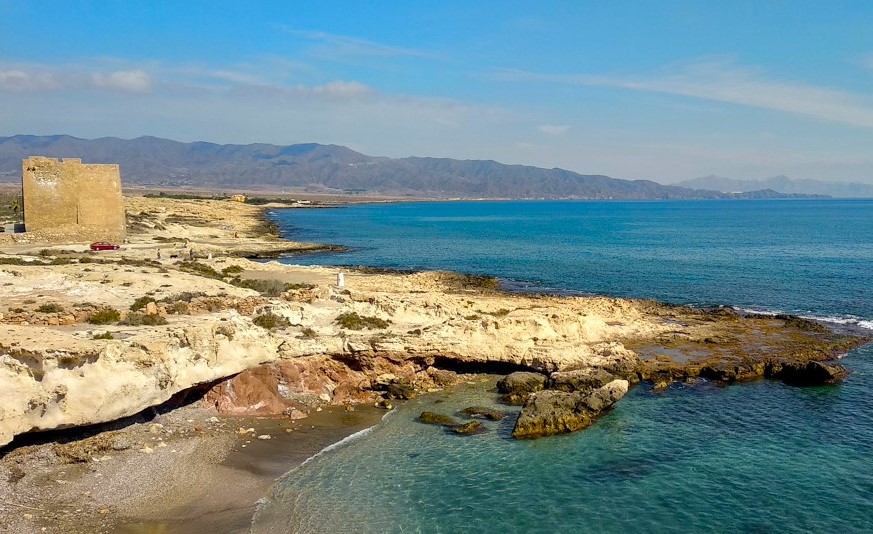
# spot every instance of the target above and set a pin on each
(184, 315)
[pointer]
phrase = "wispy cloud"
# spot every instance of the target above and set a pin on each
(332, 46)
(553, 129)
(724, 81)
(43, 78)
(132, 81)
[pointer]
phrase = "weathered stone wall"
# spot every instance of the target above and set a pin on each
(74, 199)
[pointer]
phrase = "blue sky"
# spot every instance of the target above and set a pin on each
(665, 90)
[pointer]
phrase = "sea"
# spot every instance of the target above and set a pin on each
(754, 457)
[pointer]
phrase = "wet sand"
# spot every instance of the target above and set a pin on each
(247, 474)
(184, 471)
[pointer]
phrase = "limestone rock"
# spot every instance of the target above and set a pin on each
(556, 412)
(521, 382)
(579, 380)
(550, 412)
(807, 373)
(400, 389)
(431, 418)
(483, 412)
(603, 397)
(517, 386)
(472, 427)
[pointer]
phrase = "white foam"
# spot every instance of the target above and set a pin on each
(341, 443)
(851, 320)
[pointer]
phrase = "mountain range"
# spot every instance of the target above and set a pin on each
(156, 162)
(783, 184)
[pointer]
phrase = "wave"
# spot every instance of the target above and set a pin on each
(264, 502)
(843, 320)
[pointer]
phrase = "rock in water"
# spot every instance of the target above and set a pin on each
(550, 412)
(556, 412)
(521, 381)
(431, 418)
(579, 380)
(808, 373)
(603, 397)
(471, 427)
(481, 411)
(517, 386)
(398, 389)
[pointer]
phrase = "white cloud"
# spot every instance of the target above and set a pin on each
(723, 81)
(341, 90)
(133, 81)
(332, 46)
(21, 80)
(43, 78)
(553, 129)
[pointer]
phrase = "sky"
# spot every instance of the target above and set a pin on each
(664, 89)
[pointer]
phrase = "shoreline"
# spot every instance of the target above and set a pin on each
(431, 319)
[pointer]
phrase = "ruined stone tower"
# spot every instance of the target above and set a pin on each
(71, 199)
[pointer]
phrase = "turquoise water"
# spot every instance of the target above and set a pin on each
(760, 457)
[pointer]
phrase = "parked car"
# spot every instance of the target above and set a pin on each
(103, 245)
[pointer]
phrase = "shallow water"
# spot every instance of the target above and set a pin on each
(759, 457)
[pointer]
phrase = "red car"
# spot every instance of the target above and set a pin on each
(103, 245)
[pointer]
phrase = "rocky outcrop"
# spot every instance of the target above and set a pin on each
(516, 387)
(579, 380)
(807, 374)
(62, 380)
(552, 412)
(62, 375)
(431, 418)
(471, 427)
(482, 412)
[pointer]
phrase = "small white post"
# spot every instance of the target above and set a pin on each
(340, 280)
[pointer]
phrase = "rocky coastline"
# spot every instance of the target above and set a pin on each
(93, 338)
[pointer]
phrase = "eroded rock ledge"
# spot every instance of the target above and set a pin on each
(292, 340)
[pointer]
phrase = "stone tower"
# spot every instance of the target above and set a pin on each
(72, 200)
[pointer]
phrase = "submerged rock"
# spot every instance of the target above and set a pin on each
(431, 418)
(556, 412)
(471, 427)
(482, 411)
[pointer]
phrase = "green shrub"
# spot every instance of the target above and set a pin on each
(142, 319)
(104, 335)
(195, 267)
(50, 308)
(105, 316)
(185, 296)
(307, 333)
(141, 302)
(268, 288)
(232, 269)
(179, 307)
(353, 321)
(270, 321)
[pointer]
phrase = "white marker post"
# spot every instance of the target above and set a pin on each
(340, 280)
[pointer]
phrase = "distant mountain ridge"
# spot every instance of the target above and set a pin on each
(153, 161)
(783, 184)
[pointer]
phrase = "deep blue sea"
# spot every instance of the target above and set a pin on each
(758, 457)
